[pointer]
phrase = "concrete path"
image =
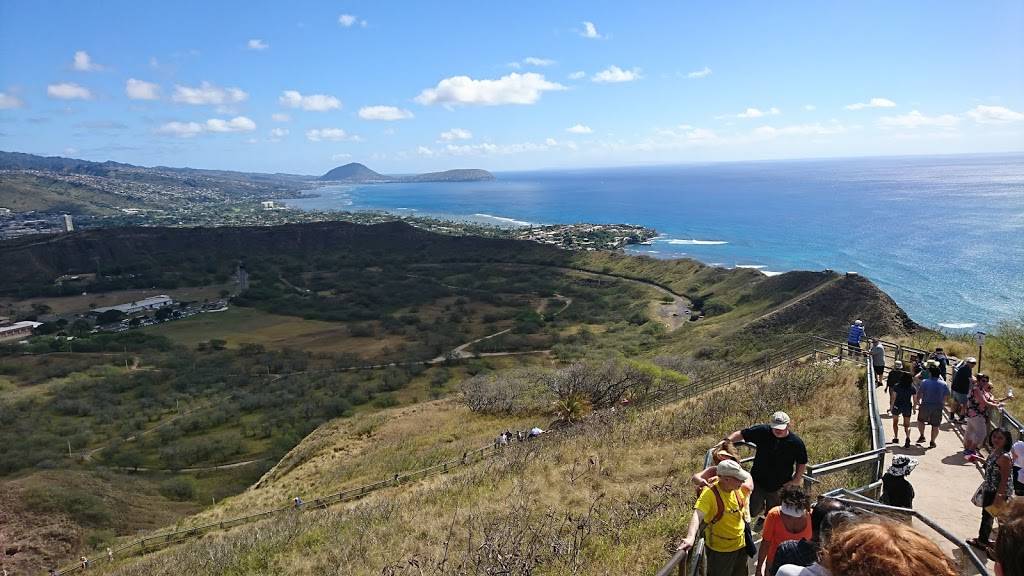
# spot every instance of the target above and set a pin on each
(943, 481)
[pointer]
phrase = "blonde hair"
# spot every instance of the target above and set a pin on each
(725, 450)
(874, 547)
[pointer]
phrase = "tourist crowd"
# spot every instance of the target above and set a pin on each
(826, 538)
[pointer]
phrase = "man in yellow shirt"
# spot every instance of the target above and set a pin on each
(722, 507)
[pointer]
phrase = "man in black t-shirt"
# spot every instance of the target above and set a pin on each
(963, 379)
(779, 451)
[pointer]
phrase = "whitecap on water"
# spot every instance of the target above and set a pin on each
(958, 325)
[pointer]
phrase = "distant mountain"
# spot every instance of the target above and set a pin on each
(459, 175)
(22, 161)
(358, 173)
(354, 172)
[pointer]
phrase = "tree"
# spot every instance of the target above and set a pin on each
(80, 327)
(164, 314)
(110, 316)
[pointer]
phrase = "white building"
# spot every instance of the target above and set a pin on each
(69, 224)
(268, 205)
(17, 330)
(146, 304)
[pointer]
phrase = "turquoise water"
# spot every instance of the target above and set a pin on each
(944, 236)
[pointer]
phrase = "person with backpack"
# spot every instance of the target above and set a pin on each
(722, 507)
(854, 336)
(800, 557)
(896, 489)
(943, 360)
(788, 521)
(902, 397)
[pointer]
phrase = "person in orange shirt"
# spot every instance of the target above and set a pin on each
(788, 521)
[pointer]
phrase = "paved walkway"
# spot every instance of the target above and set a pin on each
(943, 481)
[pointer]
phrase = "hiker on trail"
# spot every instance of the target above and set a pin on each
(297, 501)
(931, 397)
(896, 489)
(943, 360)
(788, 521)
(902, 398)
(501, 440)
(980, 403)
(854, 337)
(85, 562)
(800, 557)
(781, 459)
(110, 555)
(996, 486)
(1009, 548)
(722, 451)
(963, 381)
(916, 365)
(877, 360)
(1018, 468)
(520, 436)
(535, 432)
(873, 547)
(723, 509)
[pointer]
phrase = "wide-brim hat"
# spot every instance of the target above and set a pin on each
(902, 465)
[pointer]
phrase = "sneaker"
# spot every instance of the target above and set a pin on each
(931, 444)
(907, 443)
(920, 440)
(895, 440)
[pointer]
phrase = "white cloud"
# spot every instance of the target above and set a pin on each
(424, 151)
(589, 30)
(916, 120)
(181, 129)
(330, 134)
(534, 61)
(140, 90)
(753, 113)
(277, 133)
(983, 114)
(83, 62)
(311, 102)
(702, 73)
(10, 101)
(456, 134)
(615, 74)
(684, 133)
(70, 151)
(190, 129)
(383, 113)
(577, 75)
(579, 129)
(256, 44)
(340, 156)
(816, 129)
(810, 107)
(873, 103)
(236, 124)
(68, 91)
(348, 20)
(280, 117)
(514, 88)
(208, 94)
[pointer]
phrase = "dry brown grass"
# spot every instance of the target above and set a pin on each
(609, 496)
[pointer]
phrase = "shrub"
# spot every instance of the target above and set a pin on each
(180, 488)
(1011, 339)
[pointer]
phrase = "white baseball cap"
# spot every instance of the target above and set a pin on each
(732, 469)
(780, 420)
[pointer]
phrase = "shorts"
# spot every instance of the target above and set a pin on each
(976, 430)
(959, 398)
(879, 370)
(930, 415)
(902, 410)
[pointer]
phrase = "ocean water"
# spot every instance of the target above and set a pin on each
(943, 235)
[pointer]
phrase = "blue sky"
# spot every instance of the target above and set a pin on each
(301, 87)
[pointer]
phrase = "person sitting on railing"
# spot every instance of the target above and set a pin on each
(995, 487)
(960, 388)
(781, 459)
(877, 360)
(902, 397)
(724, 450)
(979, 403)
(1009, 547)
(931, 398)
(853, 338)
(896, 489)
(875, 547)
(808, 563)
(788, 521)
(722, 507)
